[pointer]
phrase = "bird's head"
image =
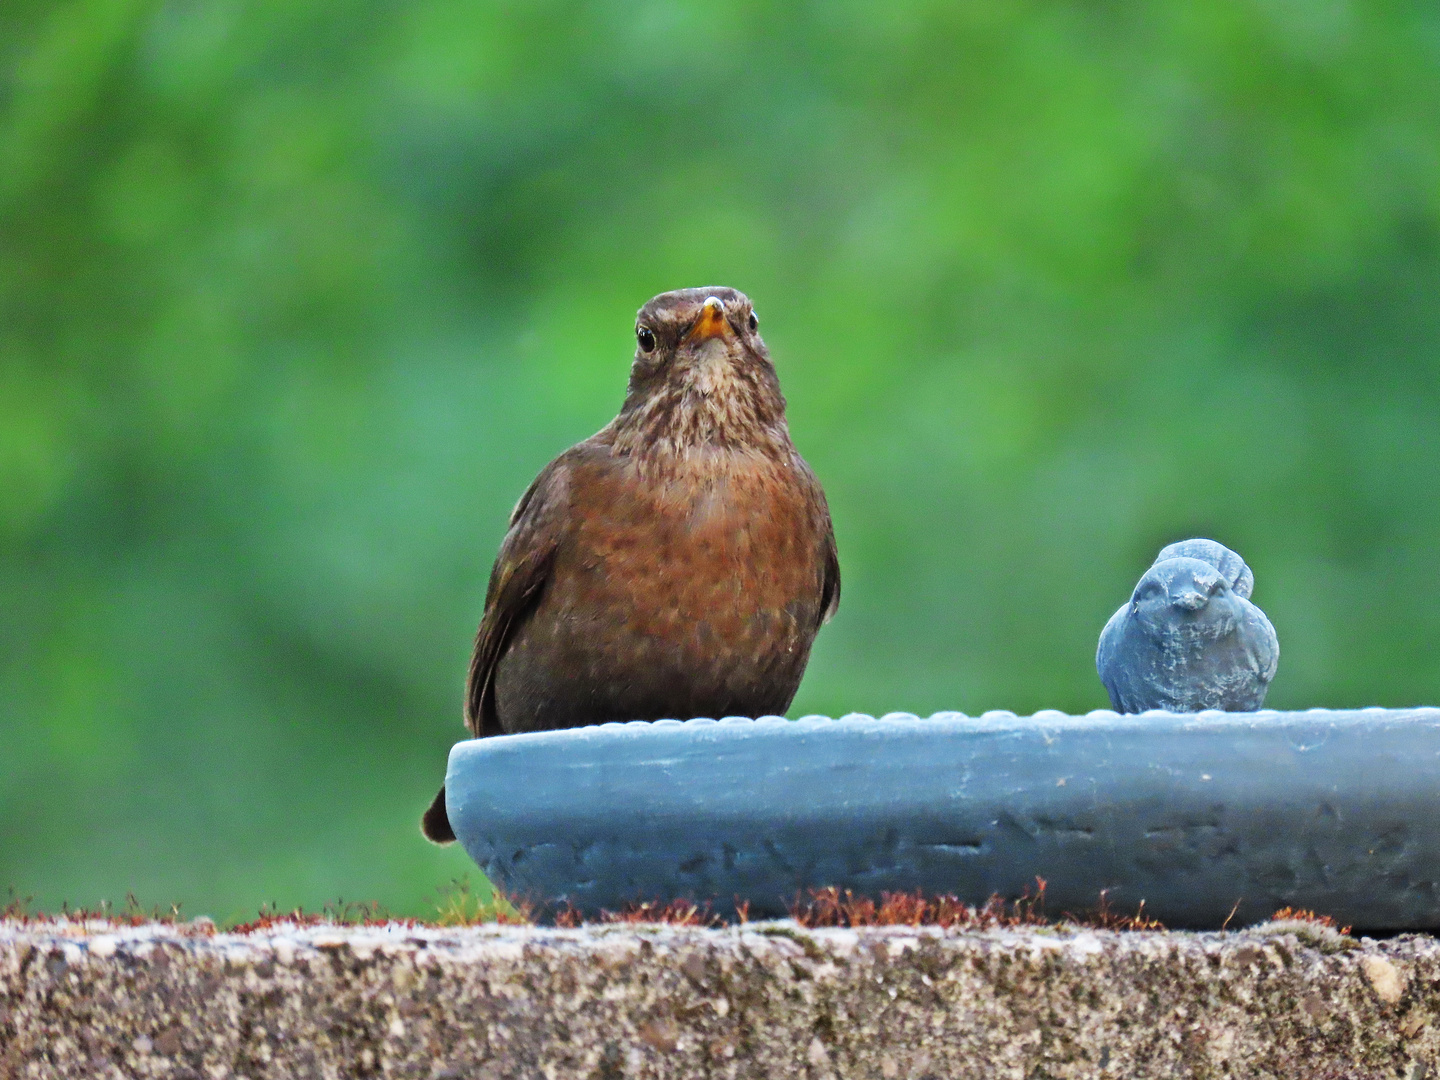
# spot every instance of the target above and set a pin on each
(1184, 594)
(702, 374)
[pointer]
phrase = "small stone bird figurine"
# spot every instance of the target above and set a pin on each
(676, 564)
(1189, 639)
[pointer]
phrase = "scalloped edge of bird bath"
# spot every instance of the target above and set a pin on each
(1207, 817)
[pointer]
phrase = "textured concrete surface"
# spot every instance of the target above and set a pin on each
(767, 1000)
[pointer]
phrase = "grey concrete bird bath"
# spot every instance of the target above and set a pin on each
(1338, 811)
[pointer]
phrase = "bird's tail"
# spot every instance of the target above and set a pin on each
(436, 822)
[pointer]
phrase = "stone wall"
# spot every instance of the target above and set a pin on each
(765, 1000)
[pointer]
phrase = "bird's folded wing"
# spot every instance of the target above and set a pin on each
(516, 582)
(830, 589)
(830, 571)
(1263, 642)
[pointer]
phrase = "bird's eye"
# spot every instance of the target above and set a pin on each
(754, 322)
(647, 339)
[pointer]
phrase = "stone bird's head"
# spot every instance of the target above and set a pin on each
(1231, 565)
(702, 377)
(1184, 595)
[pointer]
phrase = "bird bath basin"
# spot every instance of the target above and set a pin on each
(1336, 811)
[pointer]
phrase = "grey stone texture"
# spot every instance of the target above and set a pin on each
(760, 1001)
(1194, 813)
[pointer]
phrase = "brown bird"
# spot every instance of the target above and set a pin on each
(676, 564)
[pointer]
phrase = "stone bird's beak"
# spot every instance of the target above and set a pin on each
(711, 322)
(1196, 593)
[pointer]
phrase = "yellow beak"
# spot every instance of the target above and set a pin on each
(711, 323)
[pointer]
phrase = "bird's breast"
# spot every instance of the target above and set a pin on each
(734, 551)
(693, 593)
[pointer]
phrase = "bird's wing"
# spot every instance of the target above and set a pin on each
(830, 575)
(521, 570)
(830, 589)
(1109, 638)
(1263, 642)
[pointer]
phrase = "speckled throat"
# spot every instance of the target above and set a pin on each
(711, 399)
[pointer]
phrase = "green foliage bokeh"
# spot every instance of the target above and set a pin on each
(297, 295)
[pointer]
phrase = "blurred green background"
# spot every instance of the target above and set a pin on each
(297, 295)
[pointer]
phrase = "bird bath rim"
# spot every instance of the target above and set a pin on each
(1192, 812)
